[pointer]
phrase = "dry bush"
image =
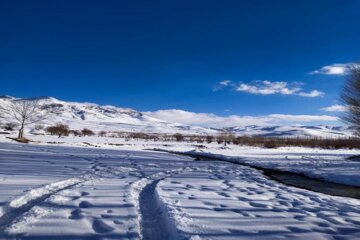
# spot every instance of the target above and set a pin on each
(10, 126)
(87, 132)
(59, 130)
(209, 139)
(179, 137)
(255, 141)
(76, 133)
(102, 134)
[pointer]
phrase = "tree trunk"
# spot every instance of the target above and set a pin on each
(21, 132)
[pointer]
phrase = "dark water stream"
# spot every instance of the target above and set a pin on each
(315, 185)
(295, 179)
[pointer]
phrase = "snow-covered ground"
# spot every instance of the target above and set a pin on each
(118, 190)
(324, 164)
(330, 165)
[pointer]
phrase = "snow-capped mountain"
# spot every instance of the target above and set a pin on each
(293, 131)
(110, 118)
(107, 118)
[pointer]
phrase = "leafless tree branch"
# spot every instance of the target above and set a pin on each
(24, 112)
(350, 97)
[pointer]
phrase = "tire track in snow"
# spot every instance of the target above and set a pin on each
(23, 204)
(153, 218)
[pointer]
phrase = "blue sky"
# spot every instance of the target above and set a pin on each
(156, 55)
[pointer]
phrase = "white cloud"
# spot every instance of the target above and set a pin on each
(226, 82)
(266, 87)
(334, 69)
(335, 108)
(303, 118)
(223, 84)
(313, 93)
(212, 120)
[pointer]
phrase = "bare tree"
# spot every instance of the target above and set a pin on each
(23, 112)
(226, 137)
(350, 97)
(179, 137)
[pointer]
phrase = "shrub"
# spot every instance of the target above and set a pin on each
(209, 139)
(87, 132)
(270, 144)
(138, 135)
(179, 137)
(59, 130)
(76, 133)
(102, 134)
(10, 126)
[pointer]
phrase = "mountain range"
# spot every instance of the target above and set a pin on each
(110, 118)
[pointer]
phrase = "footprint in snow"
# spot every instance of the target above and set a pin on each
(85, 204)
(258, 205)
(118, 222)
(207, 189)
(101, 227)
(76, 214)
(107, 216)
(84, 194)
(209, 204)
(224, 194)
(126, 205)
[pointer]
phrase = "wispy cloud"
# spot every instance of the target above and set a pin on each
(266, 87)
(335, 108)
(226, 83)
(313, 93)
(223, 84)
(334, 69)
(212, 120)
(302, 118)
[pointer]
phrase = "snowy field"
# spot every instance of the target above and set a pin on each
(63, 192)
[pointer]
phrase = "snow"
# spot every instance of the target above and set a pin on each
(104, 118)
(239, 203)
(42, 191)
(112, 192)
(330, 165)
(110, 118)
(294, 131)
